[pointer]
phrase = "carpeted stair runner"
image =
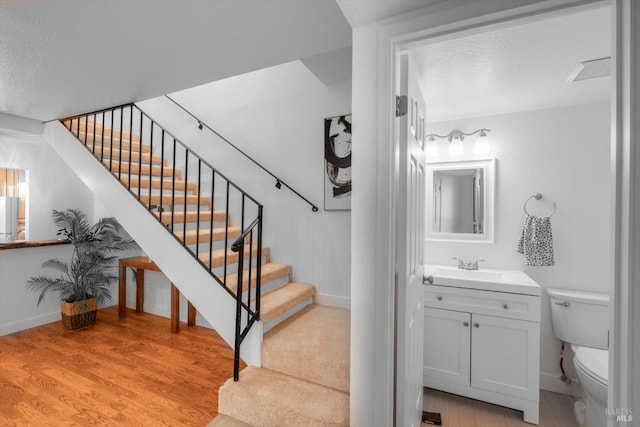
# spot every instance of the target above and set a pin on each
(304, 380)
(263, 397)
(312, 345)
(225, 421)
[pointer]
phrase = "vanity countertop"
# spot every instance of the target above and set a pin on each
(512, 281)
(21, 244)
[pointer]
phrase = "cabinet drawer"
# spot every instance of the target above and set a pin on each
(500, 304)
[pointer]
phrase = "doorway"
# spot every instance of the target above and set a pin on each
(414, 32)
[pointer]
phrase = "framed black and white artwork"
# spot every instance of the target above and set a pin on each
(337, 163)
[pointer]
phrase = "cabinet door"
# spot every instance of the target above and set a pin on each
(447, 344)
(505, 356)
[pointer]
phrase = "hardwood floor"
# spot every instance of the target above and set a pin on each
(556, 410)
(129, 371)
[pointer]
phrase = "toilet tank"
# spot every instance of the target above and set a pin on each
(580, 318)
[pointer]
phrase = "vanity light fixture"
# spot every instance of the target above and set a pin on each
(431, 147)
(482, 145)
(455, 137)
(455, 144)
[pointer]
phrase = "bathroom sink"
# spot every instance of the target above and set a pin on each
(490, 276)
(513, 281)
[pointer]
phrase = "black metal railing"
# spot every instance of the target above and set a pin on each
(279, 181)
(187, 195)
(238, 246)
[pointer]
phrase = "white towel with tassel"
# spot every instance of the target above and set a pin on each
(536, 241)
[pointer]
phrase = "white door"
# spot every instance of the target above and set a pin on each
(409, 259)
(503, 357)
(447, 346)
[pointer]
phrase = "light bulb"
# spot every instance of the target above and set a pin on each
(482, 144)
(455, 147)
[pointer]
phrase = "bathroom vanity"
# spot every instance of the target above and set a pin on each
(482, 336)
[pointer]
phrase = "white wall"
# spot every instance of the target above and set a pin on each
(277, 116)
(52, 185)
(562, 153)
(18, 310)
(370, 369)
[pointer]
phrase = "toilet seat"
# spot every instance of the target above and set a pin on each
(594, 362)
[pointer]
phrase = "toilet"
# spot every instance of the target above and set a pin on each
(582, 320)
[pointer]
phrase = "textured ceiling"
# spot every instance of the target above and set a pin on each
(518, 68)
(63, 57)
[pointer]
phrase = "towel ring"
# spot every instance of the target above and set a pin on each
(538, 196)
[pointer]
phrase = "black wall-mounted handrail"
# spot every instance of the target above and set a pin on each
(122, 134)
(279, 181)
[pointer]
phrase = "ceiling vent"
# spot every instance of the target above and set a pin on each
(591, 69)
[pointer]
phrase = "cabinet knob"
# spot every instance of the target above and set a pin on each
(465, 323)
(476, 325)
(439, 298)
(505, 306)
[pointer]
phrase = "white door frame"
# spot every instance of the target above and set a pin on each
(443, 19)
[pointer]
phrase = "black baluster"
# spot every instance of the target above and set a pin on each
(259, 263)
(173, 185)
(226, 236)
(186, 175)
(213, 187)
(161, 176)
(131, 143)
(111, 146)
(151, 165)
(198, 218)
(120, 145)
(140, 158)
(102, 142)
(93, 141)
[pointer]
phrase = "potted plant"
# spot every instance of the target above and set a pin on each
(86, 280)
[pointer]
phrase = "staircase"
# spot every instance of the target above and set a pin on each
(205, 234)
(215, 222)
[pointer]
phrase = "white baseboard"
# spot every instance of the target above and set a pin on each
(552, 382)
(333, 301)
(32, 322)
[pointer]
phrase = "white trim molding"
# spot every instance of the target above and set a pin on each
(333, 301)
(624, 366)
(552, 382)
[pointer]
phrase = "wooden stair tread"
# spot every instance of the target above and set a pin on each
(192, 216)
(117, 153)
(283, 299)
(217, 257)
(107, 141)
(268, 272)
(90, 126)
(167, 183)
(174, 199)
(280, 400)
(123, 167)
(191, 236)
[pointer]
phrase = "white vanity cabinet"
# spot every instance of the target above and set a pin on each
(484, 344)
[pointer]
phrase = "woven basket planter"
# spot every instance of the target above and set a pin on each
(79, 314)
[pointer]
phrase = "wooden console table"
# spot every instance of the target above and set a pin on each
(142, 263)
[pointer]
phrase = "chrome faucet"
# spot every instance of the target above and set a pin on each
(468, 264)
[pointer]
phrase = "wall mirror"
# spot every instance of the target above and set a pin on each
(13, 204)
(460, 200)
